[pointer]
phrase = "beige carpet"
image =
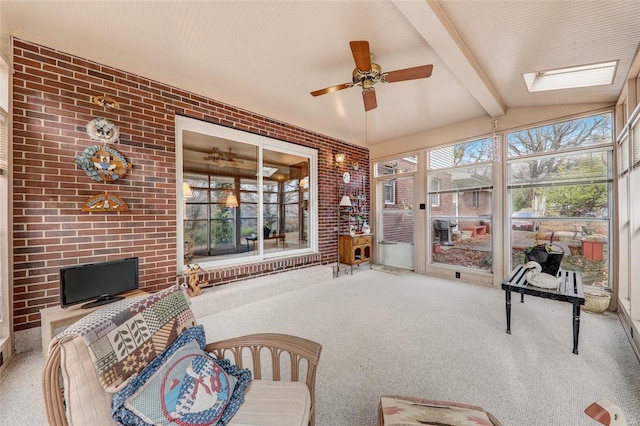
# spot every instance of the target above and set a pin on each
(439, 339)
(419, 336)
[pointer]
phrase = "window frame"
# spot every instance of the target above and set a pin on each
(389, 189)
(561, 220)
(261, 143)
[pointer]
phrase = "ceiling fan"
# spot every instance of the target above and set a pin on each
(367, 74)
(222, 159)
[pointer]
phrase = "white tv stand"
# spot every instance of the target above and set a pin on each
(55, 317)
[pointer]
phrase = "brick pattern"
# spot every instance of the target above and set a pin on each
(398, 226)
(52, 94)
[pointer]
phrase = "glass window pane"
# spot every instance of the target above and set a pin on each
(220, 211)
(199, 196)
(196, 211)
(248, 185)
(584, 244)
(270, 197)
(249, 197)
(222, 182)
(389, 193)
(291, 197)
(220, 196)
(461, 179)
(478, 151)
(291, 185)
(399, 165)
(270, 186)
(221, 233)
(623, 156)
(232, 168)
(465, 242)
(195, 237)
(196, 180)
(578, 133)
(248, 226)
(559, 169)
(563, 200)
(636, 145)
(461, 205)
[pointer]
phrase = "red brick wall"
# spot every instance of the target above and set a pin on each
(398, 226)
(52, 94)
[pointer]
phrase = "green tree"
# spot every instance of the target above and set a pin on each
(581, 198)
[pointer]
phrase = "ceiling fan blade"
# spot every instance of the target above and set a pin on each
(361, 54)
(423, 71)
(331, 89)
(369, 98)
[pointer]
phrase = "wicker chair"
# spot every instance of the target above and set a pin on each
(301, 354)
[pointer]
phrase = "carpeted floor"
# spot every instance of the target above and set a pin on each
(410, 335)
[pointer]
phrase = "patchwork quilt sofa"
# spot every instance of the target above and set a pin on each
(145, 361)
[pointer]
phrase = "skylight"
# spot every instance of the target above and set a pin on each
(567, 78)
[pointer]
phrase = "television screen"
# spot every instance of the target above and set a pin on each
(98, 282)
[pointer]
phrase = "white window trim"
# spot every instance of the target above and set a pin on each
(392, 185)
(263, 142)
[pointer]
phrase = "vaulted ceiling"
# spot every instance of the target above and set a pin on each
(267, 56)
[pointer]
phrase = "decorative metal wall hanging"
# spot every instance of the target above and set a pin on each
(102, 130)
(105, 203)
(102, 163)
(105, 101)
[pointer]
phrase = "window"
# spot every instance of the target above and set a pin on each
(390, 192)
(434, 185)
(560, 188)
(623, 155)
(396, 166)
(246, 195)
(635, 129)
(461, 204)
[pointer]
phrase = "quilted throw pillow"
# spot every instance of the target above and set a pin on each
(124, 337)
(183, 386)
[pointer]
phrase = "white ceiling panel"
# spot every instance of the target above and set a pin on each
(267, 56)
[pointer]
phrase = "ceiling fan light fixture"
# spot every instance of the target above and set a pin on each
(366, 74)
(369, 77)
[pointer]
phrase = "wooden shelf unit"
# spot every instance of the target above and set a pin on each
(355, 250)
(354, 246)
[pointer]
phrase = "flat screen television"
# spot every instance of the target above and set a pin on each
(98, 283)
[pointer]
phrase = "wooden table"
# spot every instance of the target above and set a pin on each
(570, 290)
